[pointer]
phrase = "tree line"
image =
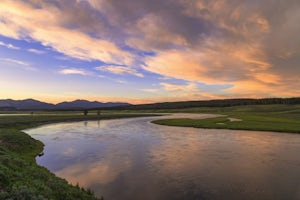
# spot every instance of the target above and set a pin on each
(209, 103)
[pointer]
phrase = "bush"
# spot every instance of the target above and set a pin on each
(22, 192)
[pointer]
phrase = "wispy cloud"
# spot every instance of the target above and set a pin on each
(10, 46)
(175, 87)
(120, 70)
(19, 63)
(113, 79)
(151, 90)
(74, 71)
(36, 51)
(64, 58)
(164, 78)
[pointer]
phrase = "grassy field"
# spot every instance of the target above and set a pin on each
(279, 118)
(20, 176)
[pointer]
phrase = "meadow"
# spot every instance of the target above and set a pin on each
(278, 118)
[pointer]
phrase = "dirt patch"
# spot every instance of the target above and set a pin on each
(234, 119)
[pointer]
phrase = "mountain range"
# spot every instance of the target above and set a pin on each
(32, 104)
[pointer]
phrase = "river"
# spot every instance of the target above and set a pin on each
(133, 159)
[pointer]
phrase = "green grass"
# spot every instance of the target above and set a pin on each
(279, 118)
(20, 177)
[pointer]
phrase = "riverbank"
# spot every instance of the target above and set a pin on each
(20, 176)
(277, 118)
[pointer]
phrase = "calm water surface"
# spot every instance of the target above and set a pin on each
(132, 159)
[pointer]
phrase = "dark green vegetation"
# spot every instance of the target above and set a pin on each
(20, 176)
(209, 103)
(280, 118)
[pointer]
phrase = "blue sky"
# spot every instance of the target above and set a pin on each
(143, 51)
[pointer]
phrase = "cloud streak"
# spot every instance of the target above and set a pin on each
(19, 63)
(74, 71)
(121, 70)
(10, 46)
(36, 51)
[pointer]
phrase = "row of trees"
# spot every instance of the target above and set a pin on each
(211, 103)
(85, 112)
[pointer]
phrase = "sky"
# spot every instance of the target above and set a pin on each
(145, 51)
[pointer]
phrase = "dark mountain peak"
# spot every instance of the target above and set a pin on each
(26, 104)
(81, 101)
(31, 100)
(32, 104)
(83, 104)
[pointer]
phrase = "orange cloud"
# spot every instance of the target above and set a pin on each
(191, 87)
(255, 89)
(268, 78)
(154, 34)
(225, 64)
(177, 64)
(20, 20)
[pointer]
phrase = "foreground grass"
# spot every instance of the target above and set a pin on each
(20, 176)
(279, 118)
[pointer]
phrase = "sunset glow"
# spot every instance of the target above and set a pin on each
(143, 51)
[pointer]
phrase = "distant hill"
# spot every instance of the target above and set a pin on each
(26, 104)
(31, 104)
(84, 104)
(210, 103)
